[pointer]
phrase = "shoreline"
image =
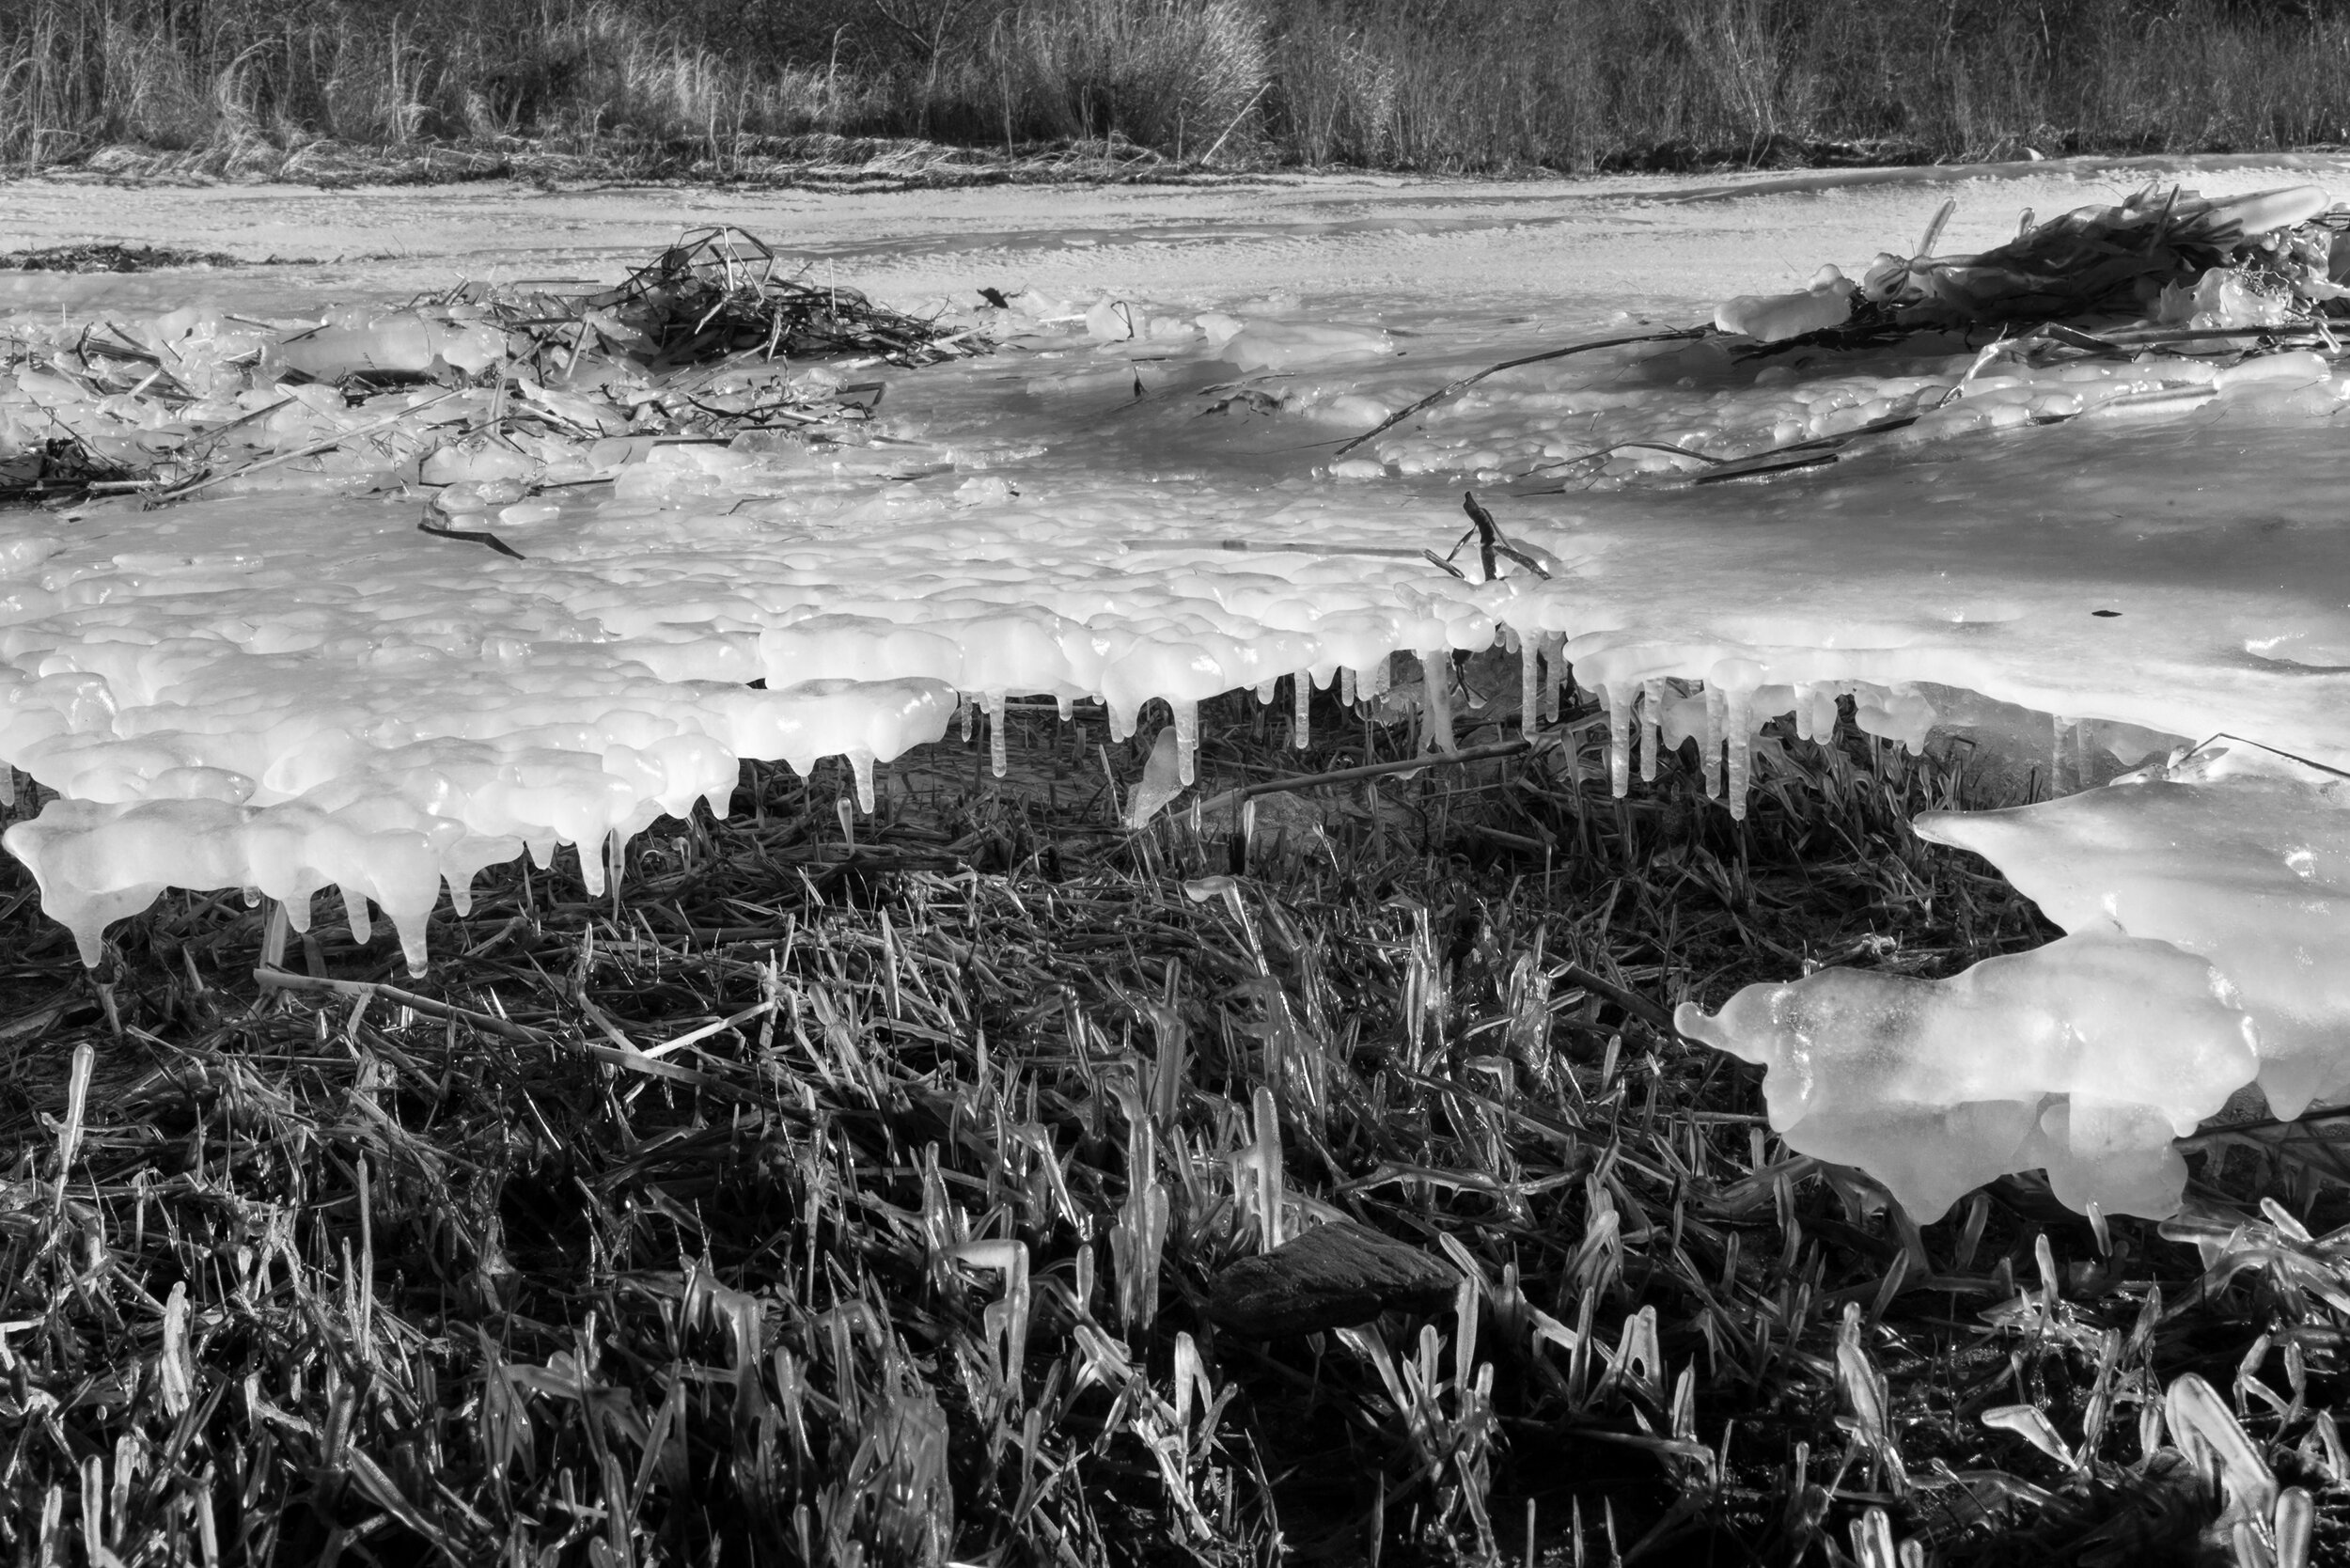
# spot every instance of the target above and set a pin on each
(835, 164)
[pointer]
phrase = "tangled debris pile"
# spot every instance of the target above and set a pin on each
(484, 394)
(2271, 259)
(109, 256)
(2145, 310)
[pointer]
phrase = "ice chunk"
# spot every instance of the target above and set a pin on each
(2236, 853)
(2266, 211)
(1773, 318)
(396, 340)
(1263, 345)
(2084, 1056)
(1161, 781)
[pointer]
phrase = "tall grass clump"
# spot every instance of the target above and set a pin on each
(1162, 73)
(81, 74)
(1453, 85)
(1434, 84)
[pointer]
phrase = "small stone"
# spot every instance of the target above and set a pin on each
(1335, 1276)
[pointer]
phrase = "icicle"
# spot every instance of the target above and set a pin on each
(1186, 738)
(460, 896)
(847, 818)
(1122, 721)
(591, 870)
(1803, 709)
(1302, 726)
(964, 711)
(355, 912)
(861, 764)
(1529, 685)
(1382, 675)
(541, 852)
(996, 743)
(2084, 757)
(1741, 714)
(1652, 727)
(1619, 696)
(2059, 726)
(1436, 686)
(253, 897)
(1824, 713)
(1710, 740)
(1347, 687)
(1067, 706)
(1555, 657)
(1266, 690)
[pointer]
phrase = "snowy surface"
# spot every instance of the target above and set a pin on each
(1140, 498)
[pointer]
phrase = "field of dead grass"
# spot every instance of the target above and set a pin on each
(779, 90)
(860, 1191)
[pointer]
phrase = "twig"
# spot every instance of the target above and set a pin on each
(2262, 1124)
(1215, 147)
(1455, 388)
(1650, 1014)
(282, 980)
(1373, 770)
(313, 449)
(1265, 547)
(472, 536)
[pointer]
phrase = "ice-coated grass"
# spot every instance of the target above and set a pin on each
(275, 86)
(803, 1203)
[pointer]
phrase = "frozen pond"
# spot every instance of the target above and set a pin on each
(1144, 495)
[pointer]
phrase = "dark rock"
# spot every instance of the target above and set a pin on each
(1334, 1276)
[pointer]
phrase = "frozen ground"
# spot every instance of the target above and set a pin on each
(292, 688)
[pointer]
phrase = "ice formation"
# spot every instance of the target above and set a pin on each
(2236, 853)
(2085, 1057)
(284, 684)
(2206, 897)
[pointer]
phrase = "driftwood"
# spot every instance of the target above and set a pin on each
(1334, 1276)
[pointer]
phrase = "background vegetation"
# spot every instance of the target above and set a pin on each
(1437, 85)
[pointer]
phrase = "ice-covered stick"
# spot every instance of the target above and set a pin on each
(1262, 1159)
(1454, 389)
(1371, 770)
(313, 449)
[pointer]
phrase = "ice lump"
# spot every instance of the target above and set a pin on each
(2084, 1058)
(2235, 853)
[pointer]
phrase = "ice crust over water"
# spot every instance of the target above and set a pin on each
(291, 689)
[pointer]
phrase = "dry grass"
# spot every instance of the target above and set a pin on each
(803, 1203)
(726, 90)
